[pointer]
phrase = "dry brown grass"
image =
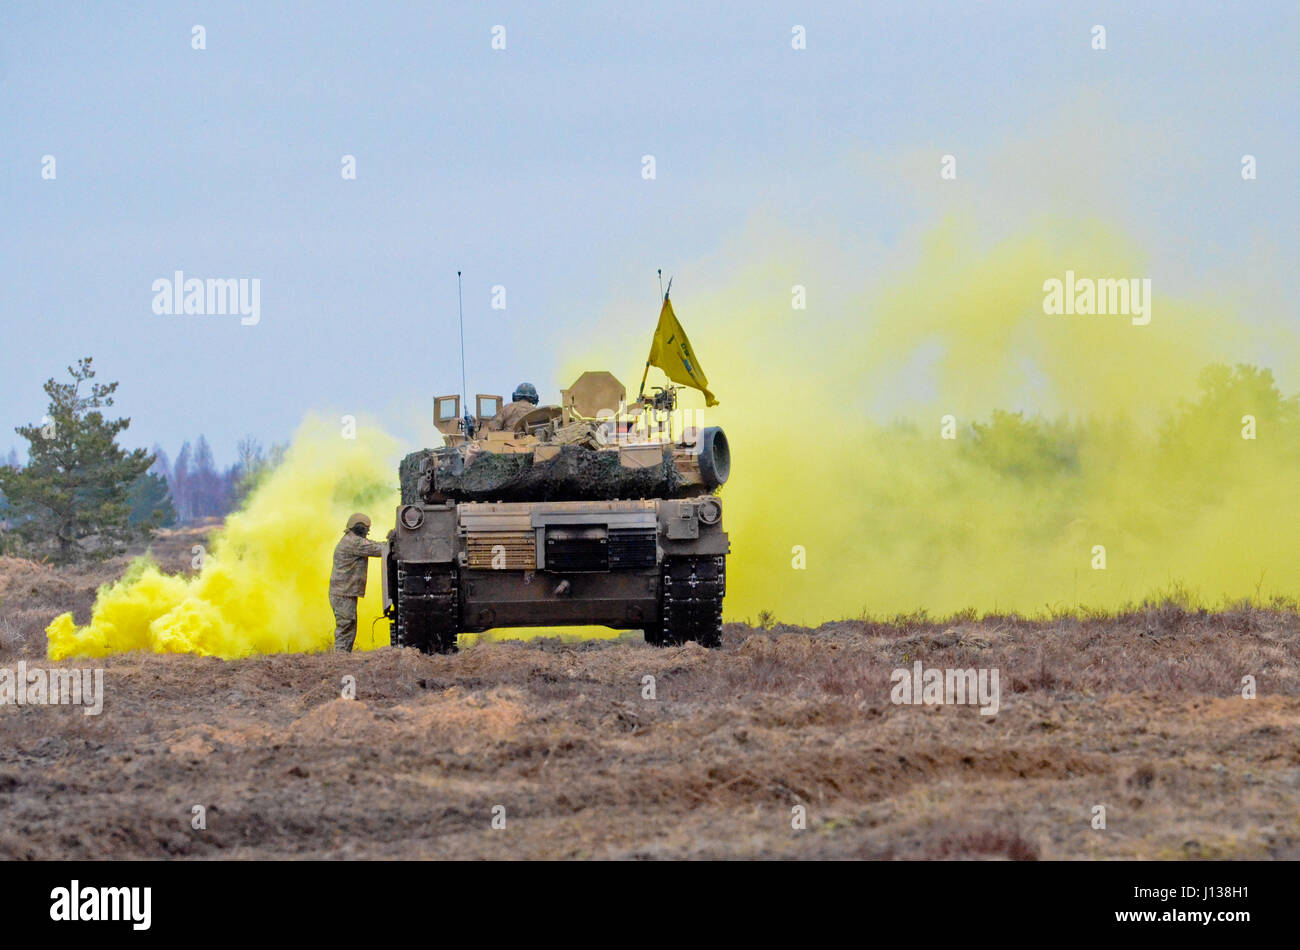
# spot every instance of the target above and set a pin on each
(1141, 713)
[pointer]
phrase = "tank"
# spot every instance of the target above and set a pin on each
(590, 512)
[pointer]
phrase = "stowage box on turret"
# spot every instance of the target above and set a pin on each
(585, 513)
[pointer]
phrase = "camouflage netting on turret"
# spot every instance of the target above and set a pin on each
(576, 473)
(408, 476)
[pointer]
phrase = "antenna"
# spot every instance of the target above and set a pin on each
(467, 419)
(460, 314)
(661, 285)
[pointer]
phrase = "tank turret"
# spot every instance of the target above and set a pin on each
(591, 446)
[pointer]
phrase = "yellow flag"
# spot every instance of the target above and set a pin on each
(672, 353)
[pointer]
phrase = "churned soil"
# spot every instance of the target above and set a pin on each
(561, 744)
(559, 740)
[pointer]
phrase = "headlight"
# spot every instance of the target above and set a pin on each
(411, 517)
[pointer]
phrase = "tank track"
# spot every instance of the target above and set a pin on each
(693, 588)
(428, 607)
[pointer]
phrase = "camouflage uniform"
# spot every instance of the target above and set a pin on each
(347, 583)
(508, 417)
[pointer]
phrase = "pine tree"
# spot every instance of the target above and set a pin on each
(7, 539)
(77, 482)
(151, 503)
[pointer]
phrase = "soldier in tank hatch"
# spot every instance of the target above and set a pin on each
(522, 401)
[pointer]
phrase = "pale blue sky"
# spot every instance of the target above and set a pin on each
(523, 168)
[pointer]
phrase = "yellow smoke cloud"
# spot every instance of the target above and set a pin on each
(263, 586)
(835, 413)
(844, 497)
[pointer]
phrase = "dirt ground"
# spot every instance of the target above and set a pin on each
(1142, 714)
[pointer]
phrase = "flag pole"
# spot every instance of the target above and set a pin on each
(641, 393)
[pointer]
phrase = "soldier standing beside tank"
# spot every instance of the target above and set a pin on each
(348, 579)
(523, 401)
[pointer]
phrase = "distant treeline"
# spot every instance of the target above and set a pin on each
(190, 489)
(79, 493)
(198, 489)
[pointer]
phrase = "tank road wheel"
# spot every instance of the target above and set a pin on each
(428, 607)
(693, 588)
